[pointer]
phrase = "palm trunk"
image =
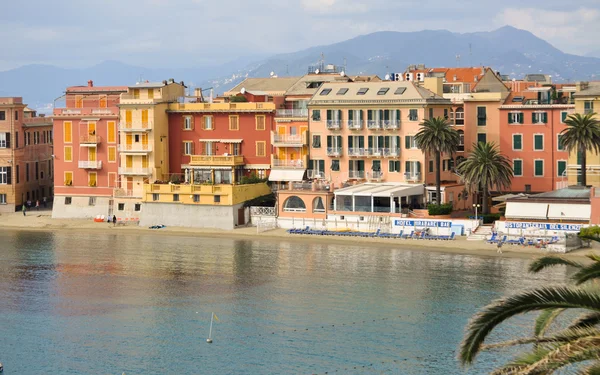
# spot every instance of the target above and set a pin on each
(438, 188)
(583, 166)
(484, 203)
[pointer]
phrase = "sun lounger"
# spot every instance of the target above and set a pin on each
(407, 236)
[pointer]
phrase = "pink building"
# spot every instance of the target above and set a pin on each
(86, 155)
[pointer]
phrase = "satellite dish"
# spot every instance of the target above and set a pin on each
(387, 77)
(243, 90)
(342, 73)
(317, 71)
(272, 74)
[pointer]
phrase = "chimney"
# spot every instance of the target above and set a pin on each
(580, 86)
(198, 91)
(482, 70)
(90, 83)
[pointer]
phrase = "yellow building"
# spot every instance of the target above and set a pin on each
(143, 141)
(587, 100)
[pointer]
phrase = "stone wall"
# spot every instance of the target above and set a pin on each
(79, 208)
(191, 216)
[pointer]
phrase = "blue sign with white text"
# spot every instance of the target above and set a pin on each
(423, 223)
(546, 226)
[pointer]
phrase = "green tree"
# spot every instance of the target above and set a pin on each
(577, 344)
(582, 134)
(436, 136)
(486, 168)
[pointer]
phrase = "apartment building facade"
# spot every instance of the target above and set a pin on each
(26, 165)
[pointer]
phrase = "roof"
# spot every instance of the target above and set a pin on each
(466, 75)
(95, 89)
(378, 92)
(272, 85)
(301, 86)
(520, 97)
(573, 193)
(592, 89)
(154, 85)
(381, 190)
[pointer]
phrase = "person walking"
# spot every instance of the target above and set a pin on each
(37, 204)
(114, 220)
(45, 202)
(499, 247)
(23, 208)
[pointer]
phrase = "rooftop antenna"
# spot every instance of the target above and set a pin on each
(344, 64)
(457, 61)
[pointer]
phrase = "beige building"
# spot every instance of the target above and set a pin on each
(143, 141)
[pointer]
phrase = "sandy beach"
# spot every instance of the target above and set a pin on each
(42, 221)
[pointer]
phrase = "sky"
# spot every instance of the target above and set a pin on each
(186, 33)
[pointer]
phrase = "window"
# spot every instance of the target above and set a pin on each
(260, 122)
(335, 165)
(188, 148)
(2, 198)
(316, 115)
(318, 205)
(112, 154)
(196, 198)
(92, 201)
(342, 91)
(518, 167)
(208, 123)
(325, 92)
(4, 140)
(112, 131)
(481, 116)
(481, 138)
(37, 170)
(121, 207)
(461, 140)
(459, 116)
(316, 141)
(2, 115)
(563, 116)
(431, 166)
(27, 172)
(539, 118)
(261, 148)
(394, 166)
(17, 174)
(5, 175)
(410, 142)
(68, 177)
(446, 113)
(400, 91)
(155, 197)
(128, 118)
(234, 123)
(217, 199)
(294, 204)
(175, 197)
(515, 117)
(318, 167)
(68, 153)
(538, 168)
(68, 200)
(17, 140)
(559, 142)
(92, 179)
(383, 91)
(68, 136)
(588, 107)
(78, 101)
(538, 142)
(430, 113)
(561, 167)
(517, 142)
(150, 93)
(103, 101)
(187, 123)
(235, 149)
(413, 115)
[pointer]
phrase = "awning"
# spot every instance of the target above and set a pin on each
(580, 212)
(222, 140)
(257, 166)
(294, 175)
(381, 190)
(205, 167)
(522, 210)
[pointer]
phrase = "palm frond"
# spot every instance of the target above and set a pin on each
(521, 362)
(585, 321)
(545, 319)
(437, 136)
(487, 167)
(586, 273)
(582, 133)
(532, 300)
(564, 336)
(591, 370)
(548, 261)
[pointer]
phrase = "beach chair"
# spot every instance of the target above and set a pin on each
(375, 234)
(407, 236)
(447, 237)
(420, 236)
(493, 239)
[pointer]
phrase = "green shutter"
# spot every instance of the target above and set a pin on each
(391, 166)
(533, 117)
(406, 142)
(322, 165)
(561, 146)
(350, 142)
(517, 142)
(370, 115)
(397, 165)
(398, 115)
(538, 142)
(340, 115)
(380, 141)
(361, 141)
(386, 142)
(510, 118)
(329, 115)
(339, 141)
(329, 141)
(562, 166)
(360, 114)
(579, 157)
(563, 116)
(418, 167)
(361, 165)
(350, 115)
(539, 167)
(370, 141)
(311, 164)
(545, 117)
(407, 166)
(481, 138)
(430, 166)
(517, 167)
(520, 117)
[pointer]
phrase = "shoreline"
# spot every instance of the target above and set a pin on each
(42, 221)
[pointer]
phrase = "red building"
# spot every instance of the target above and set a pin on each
(221, 142)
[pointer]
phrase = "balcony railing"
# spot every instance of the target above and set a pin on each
(89, 139)
(391, 124)
(209, 160)
(308, 186)
(391, 152)
(409, 176)
(375, 176)
(134, 147)
(375, 124)
(334, 124)
(312, 173)
(135, 126)
(287, 163)
(135, 171)
(375, 151)
(355, 124)
(356, 175)
(302, 112)
(86, 164)
(296, 140)
(334, 151)
(354, 151)
(124, 193)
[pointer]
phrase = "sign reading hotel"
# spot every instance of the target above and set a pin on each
(546, 226)
(423, 223)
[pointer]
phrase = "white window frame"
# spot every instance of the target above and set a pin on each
(209, 149)
(543, 167)
(539, 116)
(187, 123)
(543, 141)
(208, 122)
(413, 142)
(187, 148)
(2, 140)
(515, 118)
(513, 142)
(521, 160)
(2, 198)
(3, 175)
(566, 165)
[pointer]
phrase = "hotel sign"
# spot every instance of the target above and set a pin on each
(546, 226)
(423, 223)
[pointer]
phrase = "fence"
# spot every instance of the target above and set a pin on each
(262, 211)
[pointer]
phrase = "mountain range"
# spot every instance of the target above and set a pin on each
(510, 51)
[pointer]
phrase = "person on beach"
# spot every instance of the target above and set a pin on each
(37, 204)
(114, 220)
(499, 247)
(45, 202)
(28, 203)
(23, 208)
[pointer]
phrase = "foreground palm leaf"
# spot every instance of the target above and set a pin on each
(582, 134)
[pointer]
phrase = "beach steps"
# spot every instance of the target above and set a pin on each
(482, 233)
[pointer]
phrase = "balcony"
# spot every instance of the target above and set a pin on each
(135, 171)
(60, 112)
(334, 151)
(313, 173)
(89, 140)
(289, 140)
(135, 126)
(391, 152)
(334, 124)
(391, 124)
(375, 176)
(135, 148)
(355, 124)
(288, 113)
(288, 163)
(356, 175)
(375, 124)
(376, 152)
(125, 193)
(86, 164)
(412, 177)
(222, 107)
(357, 152)
(309, 186)
(209, 160)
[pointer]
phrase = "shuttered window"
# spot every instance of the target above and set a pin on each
(68, 178)
(112, 131)
(538, 168)
(112, 154)
(538, 142)
(518, 167)
(68, 131)
(260, 122)
(234, 123)
(481, 138)
(68, 153)
(517, 142)
(261, 148)
(561, 167)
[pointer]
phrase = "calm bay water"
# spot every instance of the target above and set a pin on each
(76, 303)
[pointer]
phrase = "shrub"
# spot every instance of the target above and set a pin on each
(490, 218)
(238, 99)
(252, 179)
(440, 209)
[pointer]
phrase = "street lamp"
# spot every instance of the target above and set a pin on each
(476, 205)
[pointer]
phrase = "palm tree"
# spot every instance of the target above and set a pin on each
(436, 137)
(582, 134)
(578, 344)
(486, 167)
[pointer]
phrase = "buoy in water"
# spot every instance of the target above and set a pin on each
(209, 341)
(1, 367)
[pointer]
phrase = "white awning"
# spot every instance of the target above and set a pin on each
(204, 167)
(294, 175)
(222, 140)
(580, 212)
(522, 210)
(257, 166)
(381, 190)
